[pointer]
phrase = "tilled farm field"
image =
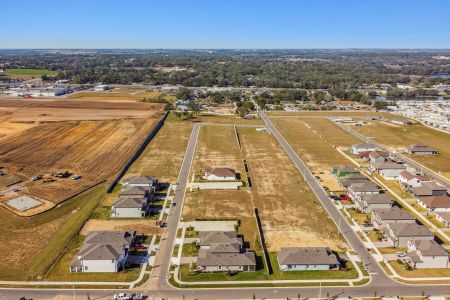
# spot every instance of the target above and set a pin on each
(96, 150)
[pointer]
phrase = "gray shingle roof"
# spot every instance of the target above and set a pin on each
(409, 229)
(225, 248)
(206, 238)
(140, 180)
(377, 199)
(206, 258)
(393, 213)
(134, 191)
(307, 256)
(364, 187)
(388, 165)
(430, 248)
(129, 202)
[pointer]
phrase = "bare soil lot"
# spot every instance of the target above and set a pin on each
(327, 113)
(94, 150)
(35, 110)
(290, 212)
(217, 147)
(401, 137)
(145, 227)
(163, 156)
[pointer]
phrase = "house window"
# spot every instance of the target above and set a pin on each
(85, 268)
(220, 267)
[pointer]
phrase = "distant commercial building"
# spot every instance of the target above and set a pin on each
(101, 88)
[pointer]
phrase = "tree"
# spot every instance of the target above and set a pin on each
(184, 93)
(380, 105)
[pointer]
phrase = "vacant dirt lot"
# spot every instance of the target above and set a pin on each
(217, 147)
(290, 212)
(327, 113)
(94, 150)
(146, 227)
(42, 110)
(163, 156)
(401, 137)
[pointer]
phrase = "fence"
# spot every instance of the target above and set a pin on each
(138, 152)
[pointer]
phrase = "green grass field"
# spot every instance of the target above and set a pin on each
(30, 72)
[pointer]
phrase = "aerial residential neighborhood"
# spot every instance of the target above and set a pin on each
(225, 150)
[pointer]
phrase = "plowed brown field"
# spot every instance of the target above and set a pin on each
(96, 150)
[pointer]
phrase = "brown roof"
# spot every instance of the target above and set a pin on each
(307, 256)
(393, 213)
(223, 172)
(409, 229)
(436, 201)
(407, 175)
(389, 165)
(375, 154)
(207, 238)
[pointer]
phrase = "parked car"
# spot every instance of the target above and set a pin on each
(400, 254)
(75, 177)
(37, 177)
(16, 190)
(140, 246)
(367, 225)
(344, 197)
(334, 197)
(123, 296)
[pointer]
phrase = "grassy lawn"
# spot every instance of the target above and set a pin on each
(190, 249)
(61, 270)
(395, 187)
(175, 250)
(374, 235)
(360, 218)
(392, 250)
(43, 238)
(400, 137)
(419, 272)
(30, 72)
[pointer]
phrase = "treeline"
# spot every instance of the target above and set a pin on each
(307, 69)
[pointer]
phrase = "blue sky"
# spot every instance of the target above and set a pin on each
(225, 24)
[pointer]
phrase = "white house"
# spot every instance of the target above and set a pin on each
(427, 254)
(357, 148)
(103, 251)
(444, 218)
(362, 188)
(408, 179)
(307, 258)
(435, 203)
(388, 170)
(129, 207)
(220, 174)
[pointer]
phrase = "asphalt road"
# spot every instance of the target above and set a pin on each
(380, 284)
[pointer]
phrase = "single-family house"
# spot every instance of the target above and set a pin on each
(367, 202)
(223, 251)
(220, 174)
(136, 191)
(352, 178)
(307, 258)
(398, 234)
(422, 150)
(444, 218)
(362, 188)
(383, 216)
(427, 254)
(409, 179)
(357, 148)
(103, 251)
(130, 207)
(389, 170)
(343, 171)
(429, 189)
(149, 182)
(435, 203)
(376, 157)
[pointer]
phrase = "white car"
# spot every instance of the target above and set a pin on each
(123, 296)
(400, 254)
